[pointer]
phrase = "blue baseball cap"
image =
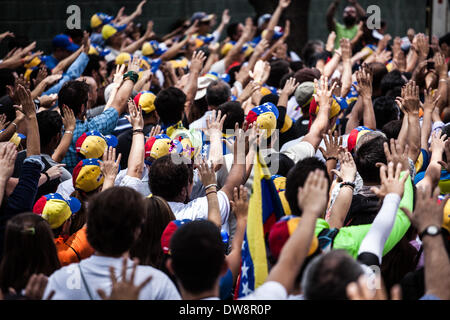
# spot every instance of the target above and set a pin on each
(65, 42)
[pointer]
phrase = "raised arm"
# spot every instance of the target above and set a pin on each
(239, 206)
(214, 125)
(364, 88)
(110, 167)
(391, 191)
(312, 199)
(134, 15)
(428, 107)
(136, 45)
(343, 201)
(69, 122)
(198, 59)
(411, 104)
(125, 90)
(208, 178)
(137, 151)
(282, 4)
(8, 154)
(433, 172)
(331, 23)
(320, 125)
(225, 20)
(437, 265)
(236, 176)
(347, 67)
(359, 10)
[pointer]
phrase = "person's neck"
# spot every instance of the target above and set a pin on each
(123, 255)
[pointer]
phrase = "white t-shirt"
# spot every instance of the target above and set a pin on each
(201, 122)
(218, 67)
(270, 290)
(68, 283)
(198, 209)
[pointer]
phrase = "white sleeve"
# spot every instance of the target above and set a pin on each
(300, 151)
(381, 227)
(270, 290)
(134, 183)
(224, 206)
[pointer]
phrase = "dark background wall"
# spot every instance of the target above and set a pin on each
(42, 19)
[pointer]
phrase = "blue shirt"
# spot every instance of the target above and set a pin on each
(75, 70)
(50, 61)
(104, 123)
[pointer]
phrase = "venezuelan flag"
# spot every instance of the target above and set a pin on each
(263, 212)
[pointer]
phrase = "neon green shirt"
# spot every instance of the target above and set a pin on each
(343, 32)
(350, 238)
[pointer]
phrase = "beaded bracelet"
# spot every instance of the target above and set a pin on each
(211, 185)
(133, 76)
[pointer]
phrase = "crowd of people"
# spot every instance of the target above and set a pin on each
(131, 163)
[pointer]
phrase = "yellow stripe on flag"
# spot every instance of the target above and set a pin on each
(255, 228)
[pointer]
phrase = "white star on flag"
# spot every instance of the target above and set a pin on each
(246, 290)
(244, 271)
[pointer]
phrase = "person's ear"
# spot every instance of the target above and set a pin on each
(169, 266)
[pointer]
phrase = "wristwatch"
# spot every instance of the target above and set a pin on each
(431, 231)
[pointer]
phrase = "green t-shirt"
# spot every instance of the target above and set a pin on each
(350, 238)
(343, 32)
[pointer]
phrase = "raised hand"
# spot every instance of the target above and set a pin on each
(333, 145)
(155, 131)
(3, 123)
(198, 59)
(214, 124)
(390, 181)
(135, 115)
(124, 289)
(396, 153)
(248, 91)
(261, 69)
(440, 65)
(438, 142)
(290, 86)
(427, 211)
(423, 46)
(26, 104)
(68, 118)
(322, 94)
(348, 170)
(284, 3)
(226, 17)
(207, 173)
(86, 42)
(133, 65)
(364, 79)
(313, 196)
(430, 100)
(410, 95)
(239, 204)
(149, 32)
(110, 165)
(8, 154)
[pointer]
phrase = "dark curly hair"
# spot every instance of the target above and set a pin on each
(167, 177)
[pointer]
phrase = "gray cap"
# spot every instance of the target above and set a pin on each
(304, 92)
